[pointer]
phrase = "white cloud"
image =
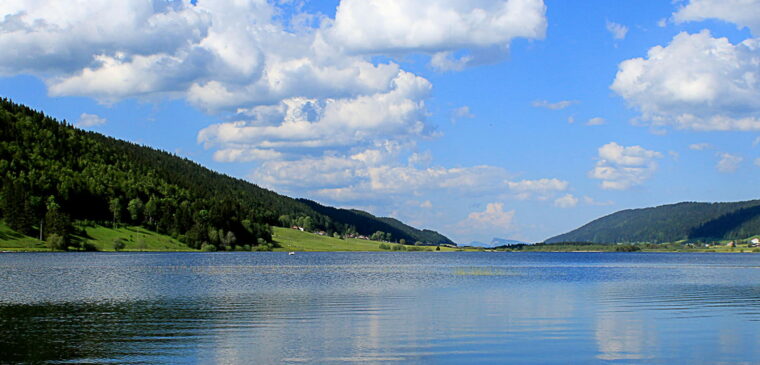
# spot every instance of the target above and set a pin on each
(541, 188)
(743, 13)
(571, 119)
(701, 146)
(621, 167)
(493, 217)
(591, 201)
(696, 82)
(52, 37)
(325, 172)
(437, 27)
(566, 201)
(461, 113)
(728, 163)
(243, 54)
(618, 31)
(423, 159)
(396, 114)
(446, 61)
(662, 23)
(562, 104)
(245, 155)
(90, 120)
(596, 121)
(756, 142)
(757, 162)
(426, 204)
(356, 177)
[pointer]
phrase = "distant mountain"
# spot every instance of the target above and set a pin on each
(55, 178)
(669, 223)
(496, 242)
(478, 244)
(505, 242)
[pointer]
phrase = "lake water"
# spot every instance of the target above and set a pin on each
(380, 308)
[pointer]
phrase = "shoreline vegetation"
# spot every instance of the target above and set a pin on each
(139, 239)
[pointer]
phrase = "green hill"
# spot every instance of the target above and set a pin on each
(365, 222)
(671, 223)
(55, 178)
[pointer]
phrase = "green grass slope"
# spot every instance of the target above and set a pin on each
(135, 239)
(99, 237)
(295, 240)
(141, 239)
(11, 240)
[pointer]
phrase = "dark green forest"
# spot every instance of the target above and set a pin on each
(55, 177)
(700, 222)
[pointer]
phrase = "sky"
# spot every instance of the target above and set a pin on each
(518, 119)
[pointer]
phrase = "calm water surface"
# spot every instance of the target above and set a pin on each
(380, 308)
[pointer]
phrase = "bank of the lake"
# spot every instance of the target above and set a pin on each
(139, 239)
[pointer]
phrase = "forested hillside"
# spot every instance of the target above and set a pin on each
(670, 223)
(365, 222)
(53, 175)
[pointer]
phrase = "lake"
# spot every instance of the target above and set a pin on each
(424, 307)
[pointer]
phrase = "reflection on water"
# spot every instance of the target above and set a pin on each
(379, 307)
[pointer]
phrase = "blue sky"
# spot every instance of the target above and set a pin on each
(502, 118)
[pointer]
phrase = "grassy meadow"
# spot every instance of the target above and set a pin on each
(100, 238)
(295, 240)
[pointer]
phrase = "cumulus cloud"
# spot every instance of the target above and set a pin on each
(621, 167)
(245, 155)
(541, 188)
(591, 201)
(420, 159)
(696, 82)
(52, 37)
(596, 121)
(398, 113)
(90, 120)
(463, 112)
(562, 104)
(566, 201)
(347, 179)
(618, 31)
(743, 13)
(228, 55)
(437, 27)
(700, 146)
(728, 163)
(493, 217)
